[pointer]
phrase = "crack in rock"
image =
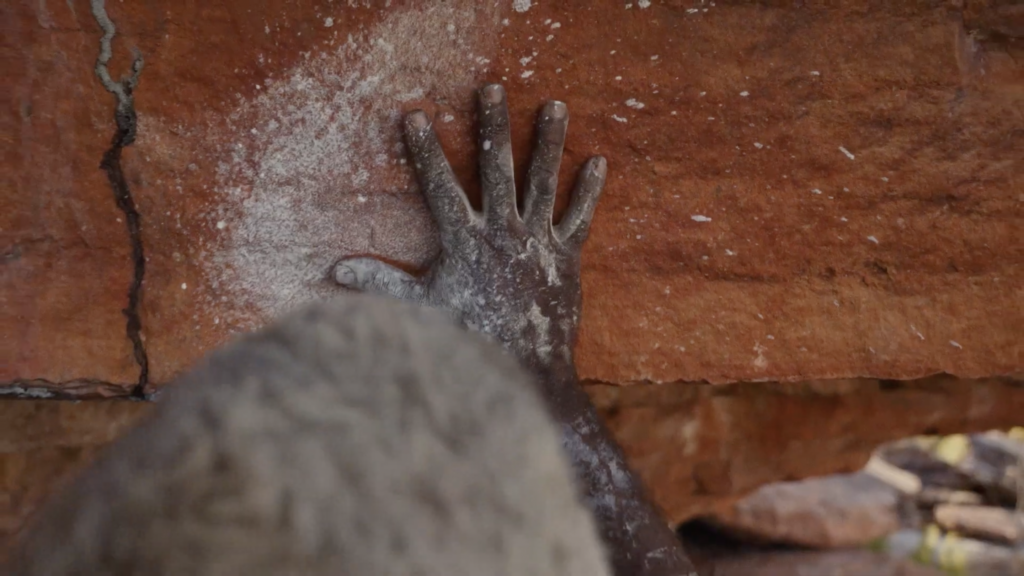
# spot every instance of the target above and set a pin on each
(124, 116)
(75, 389)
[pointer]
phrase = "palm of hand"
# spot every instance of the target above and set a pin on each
(512, 276)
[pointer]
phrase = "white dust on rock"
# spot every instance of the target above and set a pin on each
(307, 153)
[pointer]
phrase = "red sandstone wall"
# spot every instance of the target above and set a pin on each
(798, 191)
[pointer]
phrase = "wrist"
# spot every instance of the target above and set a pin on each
(556, 369)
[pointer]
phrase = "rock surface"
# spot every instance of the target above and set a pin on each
(989, 463)
(997, 463)
(43, 443)
(782, 206)
(955, 554)
(830, 563)
(845, 510)
(715, 554)
(1001, 525)
(698, 448)
(701, 447)
(912, 456)
(66, 258)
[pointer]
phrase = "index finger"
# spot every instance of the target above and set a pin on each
(447, 201)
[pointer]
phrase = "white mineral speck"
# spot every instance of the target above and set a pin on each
(815, 191)
(527, 74)
(618, 118)
(487, 144)
(184, 286)
(873, 239)
(521, 5)
(644, 4)
(700, 218)
(328, 22)
(222, 225)
(758, 145)
(744, 93)
(955, 344)
(847, 152)
(634, 104)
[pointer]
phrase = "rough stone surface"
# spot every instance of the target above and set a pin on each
(841, 511)
(43, 443)
(1003, 525)
(736, 241)
(65, 268)
(956, 554)
(934, 472)
(698, 448)
(823, 563)
(996, 463)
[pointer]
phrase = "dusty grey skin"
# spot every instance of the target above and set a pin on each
(365, 437)
(515, 277)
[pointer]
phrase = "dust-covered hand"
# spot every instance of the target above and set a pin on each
(515, 276)
(510, 274)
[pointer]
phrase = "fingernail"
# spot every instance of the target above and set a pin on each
(493, 94)
(557, 110)
(344, 275)
(419, 120)
(600, 167)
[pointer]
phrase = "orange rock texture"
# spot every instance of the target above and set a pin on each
(798, 191)
(698, 448)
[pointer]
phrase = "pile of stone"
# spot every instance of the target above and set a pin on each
(955, 503)
(968, 500)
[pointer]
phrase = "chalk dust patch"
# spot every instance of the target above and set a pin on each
(312, 169)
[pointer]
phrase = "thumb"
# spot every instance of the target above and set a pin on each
(376, 277)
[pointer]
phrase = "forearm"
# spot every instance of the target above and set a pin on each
(639, 541)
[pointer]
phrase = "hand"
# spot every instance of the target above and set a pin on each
(517, 278)
(513, 276)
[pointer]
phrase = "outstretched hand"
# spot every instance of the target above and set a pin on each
(514, 275)
(510, 274)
